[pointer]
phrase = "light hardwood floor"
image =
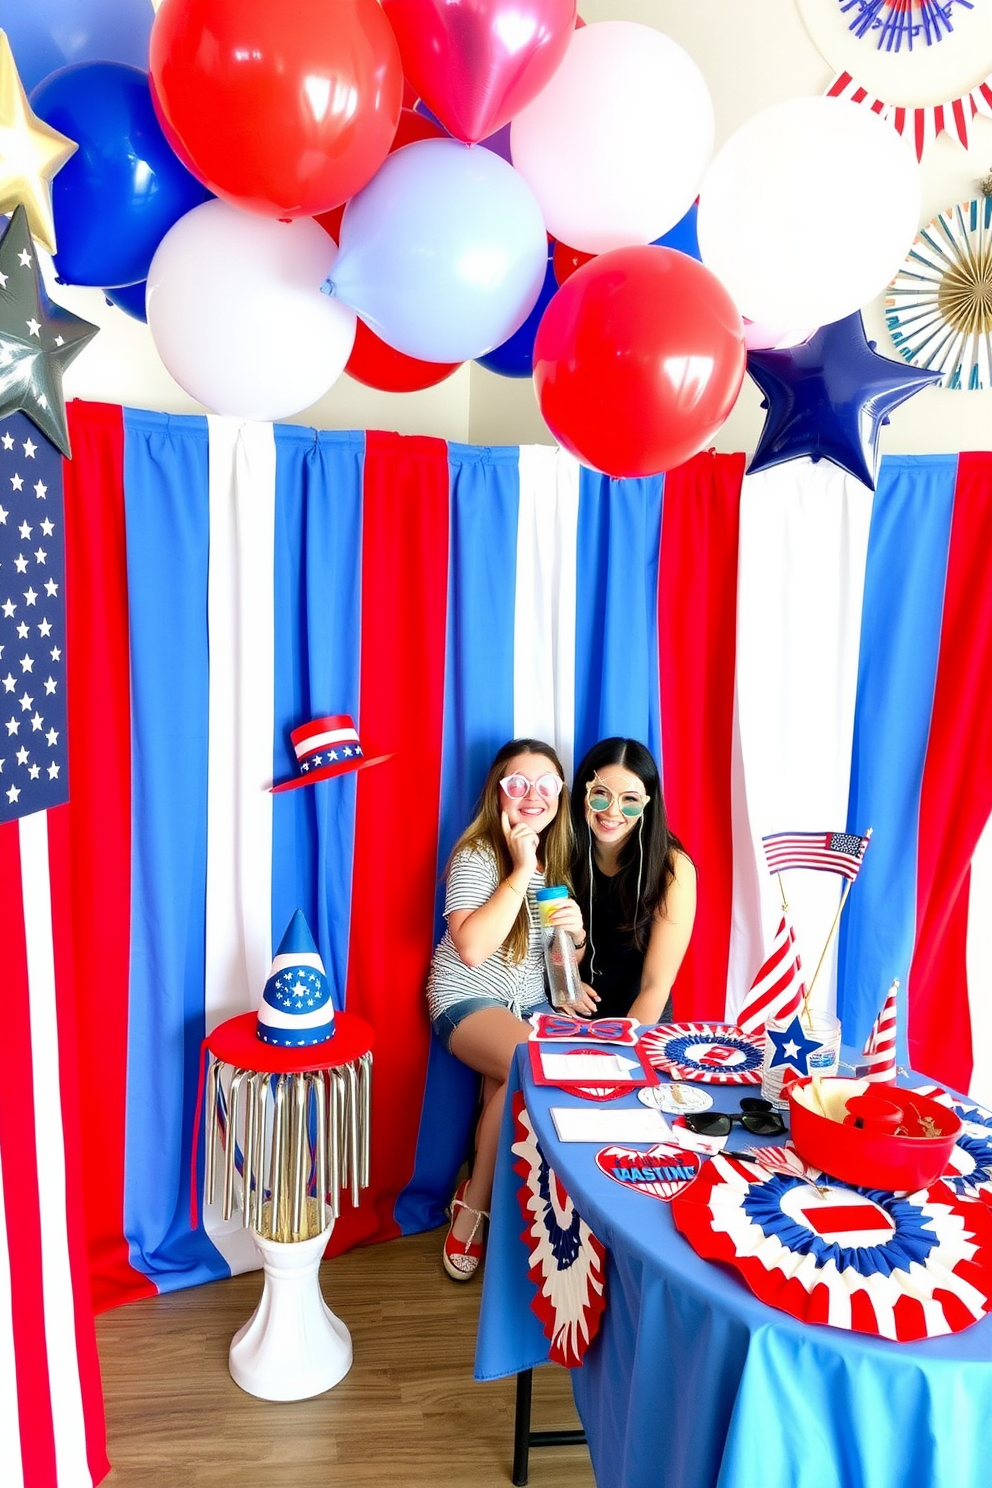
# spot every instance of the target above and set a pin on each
(408, 1413)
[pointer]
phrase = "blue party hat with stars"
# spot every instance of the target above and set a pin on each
(296, 1009)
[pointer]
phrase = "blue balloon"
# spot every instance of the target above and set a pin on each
(117, 196)
(444, 252)
(130, 298)
(829, 398)
(515, 358)
(682, 236)
(48, 34)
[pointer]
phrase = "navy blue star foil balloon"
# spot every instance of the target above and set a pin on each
(829, 398)
(38, 339)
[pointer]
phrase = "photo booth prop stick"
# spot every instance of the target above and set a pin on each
(880, 1046)
(826, 852)
(850, 876)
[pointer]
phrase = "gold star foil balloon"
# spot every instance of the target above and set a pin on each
(31, 153)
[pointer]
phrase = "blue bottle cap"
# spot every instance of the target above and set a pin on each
(559, 892)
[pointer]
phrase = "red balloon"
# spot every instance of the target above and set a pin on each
(476, 63)
(412, 127)
(638, 360)
(565, 261)
(380, 366)
(282, 109)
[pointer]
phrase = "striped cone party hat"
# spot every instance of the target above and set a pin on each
(296, 1009)
(880, 1048)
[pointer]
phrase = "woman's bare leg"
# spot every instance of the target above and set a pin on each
(486, 1041)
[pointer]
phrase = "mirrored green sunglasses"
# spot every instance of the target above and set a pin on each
(599, 797)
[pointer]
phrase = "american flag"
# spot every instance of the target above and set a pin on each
(33, 768)
(778, 989)
(880, 1047)
(833, 852)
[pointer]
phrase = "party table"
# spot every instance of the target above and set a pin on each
(692, 1381)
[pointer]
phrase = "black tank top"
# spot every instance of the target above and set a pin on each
(617, 963)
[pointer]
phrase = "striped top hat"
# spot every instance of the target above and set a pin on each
(296, 1008)
(325, 748)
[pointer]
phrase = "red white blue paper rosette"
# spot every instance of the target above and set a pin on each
(566, 1259)
(969, 1168)
(898, 1266)
(714, 1053)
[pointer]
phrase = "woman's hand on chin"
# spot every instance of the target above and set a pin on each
(523, 843)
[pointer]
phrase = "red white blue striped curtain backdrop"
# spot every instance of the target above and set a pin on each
(800, 654)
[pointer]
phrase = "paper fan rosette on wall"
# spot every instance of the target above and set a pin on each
(923, 65)
(938, 307)
(899, 1266)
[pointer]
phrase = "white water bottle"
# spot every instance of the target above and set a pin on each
(560, 960)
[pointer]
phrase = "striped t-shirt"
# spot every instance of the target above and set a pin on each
(472, 879)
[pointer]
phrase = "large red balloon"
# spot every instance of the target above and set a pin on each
(377, 365)
(284, 109)
(638, 360)
(476, 63)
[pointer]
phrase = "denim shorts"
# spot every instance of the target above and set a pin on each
(447, 1021)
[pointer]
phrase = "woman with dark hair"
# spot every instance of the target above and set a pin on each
(634, 880)
(487, 973)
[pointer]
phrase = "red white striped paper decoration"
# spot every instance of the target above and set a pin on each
(567, 1262)
(900, 1266)
(778, 988)
(921, 125)
(880, 1047)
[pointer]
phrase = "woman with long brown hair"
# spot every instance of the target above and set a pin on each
(487, 973)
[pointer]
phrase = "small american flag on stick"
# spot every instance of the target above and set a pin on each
(777, 991)
(832, 852)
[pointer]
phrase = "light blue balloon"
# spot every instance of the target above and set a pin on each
(443, 253)
(47, 34)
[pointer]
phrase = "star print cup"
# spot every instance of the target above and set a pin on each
(804, 1043)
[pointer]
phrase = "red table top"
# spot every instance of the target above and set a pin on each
(235, 1042)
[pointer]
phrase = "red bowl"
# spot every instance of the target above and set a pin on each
(877, 1159)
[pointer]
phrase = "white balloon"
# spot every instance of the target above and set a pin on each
(236, 313)
(808, 210)
(615, 146)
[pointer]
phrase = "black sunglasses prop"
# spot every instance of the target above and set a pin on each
(757, 1116)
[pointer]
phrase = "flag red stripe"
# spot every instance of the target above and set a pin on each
(835, 1219)
(697, 628)
(18, 1157)
(404, 611)
(956, 793)
(90, 1384)
(98, 833)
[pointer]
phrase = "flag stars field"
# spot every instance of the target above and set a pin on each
(25, 681)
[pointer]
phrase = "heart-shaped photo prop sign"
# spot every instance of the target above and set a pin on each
(662, 1171)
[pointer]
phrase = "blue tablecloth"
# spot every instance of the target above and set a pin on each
(694, 1383)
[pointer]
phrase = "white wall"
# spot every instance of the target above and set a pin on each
(753, 53)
